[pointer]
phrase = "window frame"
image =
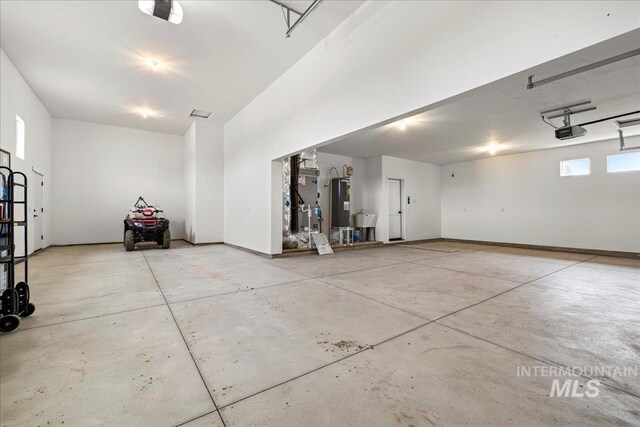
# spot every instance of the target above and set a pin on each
(21, 145)
(562, 162)
(637, 153)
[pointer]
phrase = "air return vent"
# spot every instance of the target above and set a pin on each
(200, 113)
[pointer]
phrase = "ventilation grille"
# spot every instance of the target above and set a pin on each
(200, 113)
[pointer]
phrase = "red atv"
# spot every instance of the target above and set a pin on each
(145, 223)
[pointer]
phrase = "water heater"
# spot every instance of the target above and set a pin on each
(340, 203)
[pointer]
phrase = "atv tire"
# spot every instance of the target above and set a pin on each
(166, 239)
(129, 240)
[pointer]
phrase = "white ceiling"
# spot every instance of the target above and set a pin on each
(505, 113)
(86, 60)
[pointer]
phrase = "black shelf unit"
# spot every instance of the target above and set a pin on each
(14, 298)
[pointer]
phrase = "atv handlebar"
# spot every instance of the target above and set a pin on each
(140, 210)
(146, 205)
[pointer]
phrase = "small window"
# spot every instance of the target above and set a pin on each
(575, 167)
(20, 137)
(626, 162)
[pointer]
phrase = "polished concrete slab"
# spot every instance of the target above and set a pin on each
(422, 290)
(577, 317)
(247, 342)
(613, 263)
(168, 337)
(86, 271)
(189, 275)
(538, 255)
(120, 369)
(447, 247)
(431, 376)
(74, 299)
(498, 266)
(82, 254)
(400, 253)
(326, 265)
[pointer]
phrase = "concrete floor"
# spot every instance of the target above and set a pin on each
(422, 334)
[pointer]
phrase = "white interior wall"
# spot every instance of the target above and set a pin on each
(374, 195)
(379, 64)
(98, 173)
(204, 183)
(16, 97)
(190, 183)
(420, 181)
(521, 198)
(209, 183)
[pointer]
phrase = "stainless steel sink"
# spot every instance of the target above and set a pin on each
(365, 220)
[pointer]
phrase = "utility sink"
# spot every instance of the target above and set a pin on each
(365, 219)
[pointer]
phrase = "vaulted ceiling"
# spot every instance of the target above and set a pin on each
(88, 60)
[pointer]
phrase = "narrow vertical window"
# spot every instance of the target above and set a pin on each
(20, 131)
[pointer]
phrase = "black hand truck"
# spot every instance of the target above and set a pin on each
(14, 299)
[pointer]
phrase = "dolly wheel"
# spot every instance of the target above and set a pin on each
(28, 310)
(9, 323)
(129, 240)
(166, 239)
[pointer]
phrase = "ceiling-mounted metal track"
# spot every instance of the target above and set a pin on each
(571, 112)
(531, 84)
(566, 112)
(287, 10)
(564, 107)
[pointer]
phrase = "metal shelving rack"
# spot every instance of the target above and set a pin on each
(14, 299)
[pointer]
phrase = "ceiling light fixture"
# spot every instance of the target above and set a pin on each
(169, 10)
(492, 149)
(155, 65)
(402, 124)
(145, 113)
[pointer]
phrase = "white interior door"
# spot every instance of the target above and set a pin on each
(394, 200)
(38, 211)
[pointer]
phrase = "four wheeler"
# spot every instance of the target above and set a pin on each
(145, 223)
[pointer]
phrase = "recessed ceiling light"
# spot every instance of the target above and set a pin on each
(169, 10)
(402, 124)
(492, 149)
(145, 113)
(155, 65)
(200, 113)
